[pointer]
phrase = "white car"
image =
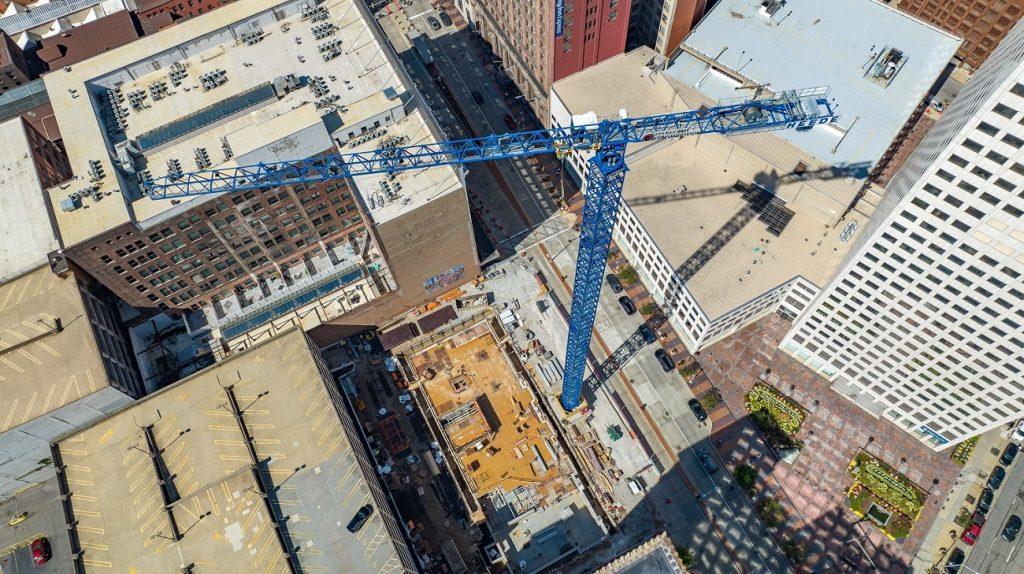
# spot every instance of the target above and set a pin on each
(1018, 433)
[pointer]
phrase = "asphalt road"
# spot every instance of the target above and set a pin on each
(658, 402)
(991, 553)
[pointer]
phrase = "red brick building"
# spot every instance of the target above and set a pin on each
(542, 41)
(14, 70)
(232, 241)
(156, 15)
(981, 23)
(88, 40)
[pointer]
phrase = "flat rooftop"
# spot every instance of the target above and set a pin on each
(808, 43)
(200, 94)
(727, 255)
(26, 232)
(654, 556)
(385, 197)
(42, 369)
(124, 525)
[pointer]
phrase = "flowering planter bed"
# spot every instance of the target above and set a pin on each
(778, 417)
(877, 488)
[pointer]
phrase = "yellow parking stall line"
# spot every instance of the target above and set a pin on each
(232, 428)
(49, 396)
(144, 477)
(89, 513)
(73, 451)
(83, 498)
(175, 452)
(14, 407)
(266, 441)
(188, 511)
(323, 436)
(310, 387)
(263, 549)
(78, 468)
(76, 482)
(312, 406)
(72, 381)
(273, 564)
(31, 403)
(97, 563)
(218, 413)
(32, 358)
(24, 289)
(323, 413)
(93, 546)
(48, 349)
(135, 467)
(334, 445)
(230, 458)
(214, 507)
(364, 531)
(145, 508)
(90, 529)
(157, 513)
(221, 442)
(20, 544)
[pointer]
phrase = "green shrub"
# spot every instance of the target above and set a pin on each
(648, 309)
(963, 518)
(689, 369)
(771, 512)
(962, 453)
(787, 414)
(686, 555)
(794, 550)
(891, 487)
(711, 400)
(746, 477)
(628, 275)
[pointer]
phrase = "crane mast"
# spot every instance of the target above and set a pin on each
(606, 170)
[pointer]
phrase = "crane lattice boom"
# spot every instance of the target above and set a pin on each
(799, 109)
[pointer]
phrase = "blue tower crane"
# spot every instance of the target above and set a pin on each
(606, 170)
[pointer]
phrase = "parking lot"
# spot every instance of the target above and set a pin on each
(44, 519)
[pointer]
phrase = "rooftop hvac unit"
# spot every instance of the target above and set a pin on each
(770, 7)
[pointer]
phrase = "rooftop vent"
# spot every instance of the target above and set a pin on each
(883, 67)
(770, 7)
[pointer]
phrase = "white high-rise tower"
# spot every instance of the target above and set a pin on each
(924, 324)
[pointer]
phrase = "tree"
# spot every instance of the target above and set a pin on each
(794, 550)
(689, 369)
(771, 512)
(686, 555)
(648, 309)
(628, 275)
(711, 399)
(746, 477)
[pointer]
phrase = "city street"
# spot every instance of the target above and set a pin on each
(657, 401)
(991, 553)
(510, 198)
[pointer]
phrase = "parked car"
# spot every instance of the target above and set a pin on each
(1018, 433)
(445, 18)
(647, 334)
(1012, 528)
(667, 364)
(41, 552)
(478, 98)
(434, 24)
(510, 122)
(995, 480)
(1009, 453)
(627, 305)
(698, 410)
(706, 461)
(985, 501)
(971, 534)
(613, 282)
(360, 518)
(978, 518)
(956, 560)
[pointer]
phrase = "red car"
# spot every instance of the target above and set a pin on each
(970, 535)
(41, 551)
